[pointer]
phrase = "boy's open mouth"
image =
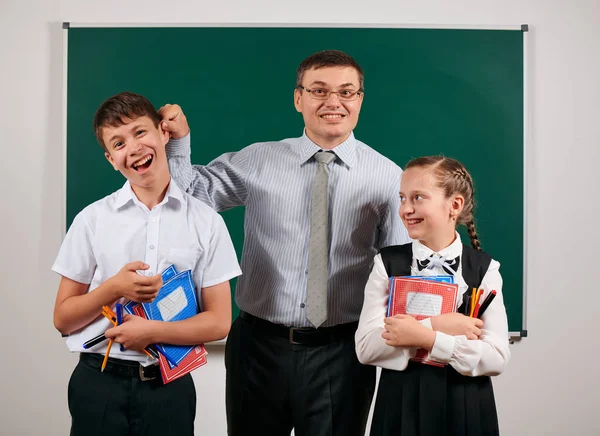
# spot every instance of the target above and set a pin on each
(143, 163)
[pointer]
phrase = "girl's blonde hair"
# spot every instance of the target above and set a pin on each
(453, 178)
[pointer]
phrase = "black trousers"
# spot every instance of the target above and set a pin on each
(274, 386)
(103, 403)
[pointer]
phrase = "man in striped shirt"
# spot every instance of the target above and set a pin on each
(282, 372)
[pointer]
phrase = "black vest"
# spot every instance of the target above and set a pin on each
(398, 258)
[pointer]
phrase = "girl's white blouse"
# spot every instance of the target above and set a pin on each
(486, 356)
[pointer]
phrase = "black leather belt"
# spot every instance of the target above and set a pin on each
(302, 335)
(124, 368)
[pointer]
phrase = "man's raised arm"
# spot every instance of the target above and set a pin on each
(221, 184)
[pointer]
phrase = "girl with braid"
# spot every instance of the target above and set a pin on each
(416, 399)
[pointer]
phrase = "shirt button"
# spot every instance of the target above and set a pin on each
(152, 247)
(302, 305)
(153, 220)
(305, 271)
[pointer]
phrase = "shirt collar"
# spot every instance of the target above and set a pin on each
(346, 151)
(127, 195)
(421, 252)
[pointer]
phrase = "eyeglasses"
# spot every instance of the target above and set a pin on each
(324, 94)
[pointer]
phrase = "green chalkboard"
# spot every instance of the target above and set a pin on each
(427, 91)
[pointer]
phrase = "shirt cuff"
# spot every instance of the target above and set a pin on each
(427, 323)
(179, 147)
(443, 347)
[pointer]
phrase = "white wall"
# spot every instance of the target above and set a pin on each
(546, 389)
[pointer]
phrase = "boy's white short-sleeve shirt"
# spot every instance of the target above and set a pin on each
(119, 229)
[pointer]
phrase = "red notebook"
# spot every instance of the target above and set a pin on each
(421, 299)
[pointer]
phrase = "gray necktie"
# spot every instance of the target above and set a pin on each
(318, 250)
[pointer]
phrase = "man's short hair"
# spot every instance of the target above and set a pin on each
(329, 58)
(125, 105)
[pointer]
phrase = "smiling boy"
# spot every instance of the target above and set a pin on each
(114, 251)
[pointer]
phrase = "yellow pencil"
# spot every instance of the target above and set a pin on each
(106, 355)
(473, 294)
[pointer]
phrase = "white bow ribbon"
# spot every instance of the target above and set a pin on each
(435, 260)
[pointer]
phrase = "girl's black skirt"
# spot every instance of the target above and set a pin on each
(425, 400)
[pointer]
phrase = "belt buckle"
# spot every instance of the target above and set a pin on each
(143, 376)
(291, 337)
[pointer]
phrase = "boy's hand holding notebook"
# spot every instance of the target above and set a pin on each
(175, 301)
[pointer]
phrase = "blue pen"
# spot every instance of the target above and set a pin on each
(119, 313)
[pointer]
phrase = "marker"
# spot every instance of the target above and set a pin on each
(466, 303)
(94, 341)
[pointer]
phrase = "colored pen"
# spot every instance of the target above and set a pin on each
(148, 353)
(119, 312)
(466, 303)
(94, 341)
(151, 351)
(488, 300)
(106, 355)
(116, 319)
(101, 338)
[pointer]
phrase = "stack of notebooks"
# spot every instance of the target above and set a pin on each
(175, 301)
(422, 297)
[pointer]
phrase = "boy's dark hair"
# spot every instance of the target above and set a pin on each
(119, 107)
(329, 58)
(453, 177)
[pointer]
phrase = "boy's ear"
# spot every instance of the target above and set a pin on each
(110, 159)
(456, 205)
(165, 135)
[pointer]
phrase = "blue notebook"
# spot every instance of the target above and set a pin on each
(443, 279)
